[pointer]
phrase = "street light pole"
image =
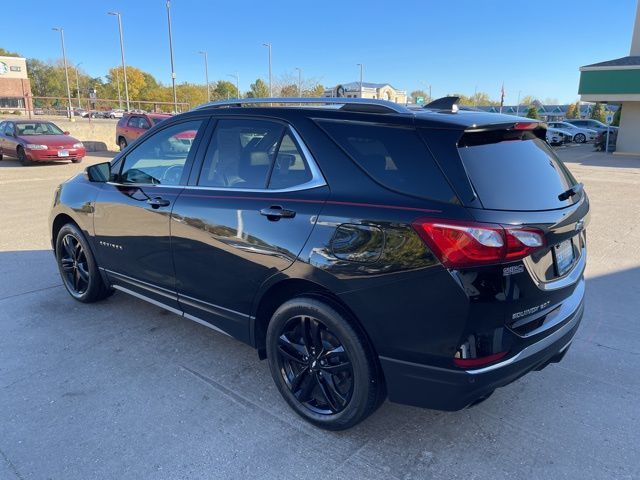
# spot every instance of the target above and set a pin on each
(66, 69)
(173, 72)
(518, 106)
(270, 78)
(361, 68)
(206, 73)
(78, 84)
(124, 65)
(237, 77)
(299, 81)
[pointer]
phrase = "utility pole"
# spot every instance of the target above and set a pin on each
(173, 72)
(124, 65)
(361, 68)
(299, 81)
(206, 73)
(66, 69)
(268, 45)
(78, 84)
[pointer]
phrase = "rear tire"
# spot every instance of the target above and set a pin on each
(22, 156)
(322, 365)
(78, 267)
(122, 143)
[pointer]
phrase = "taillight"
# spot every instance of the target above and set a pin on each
(463, 244)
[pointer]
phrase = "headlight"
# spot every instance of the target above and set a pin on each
(33, 146)
(78, 145)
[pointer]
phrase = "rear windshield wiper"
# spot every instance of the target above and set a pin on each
(567, 194)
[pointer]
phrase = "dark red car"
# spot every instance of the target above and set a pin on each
(36, 141)
(131, 126)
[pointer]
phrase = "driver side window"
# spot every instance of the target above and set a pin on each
(160, 159)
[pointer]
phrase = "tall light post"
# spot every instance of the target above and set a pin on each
(78, 84)
(206, 73)
(268, 45)
(361, 69)
(124, 65)
(518, 106)
(173, 72)
(299, 81)
(237, 77)
(66, 69)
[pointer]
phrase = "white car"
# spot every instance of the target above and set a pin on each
(115, 113)
(556, 136)
(580, 135)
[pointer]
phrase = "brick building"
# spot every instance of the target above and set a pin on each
(15, 87)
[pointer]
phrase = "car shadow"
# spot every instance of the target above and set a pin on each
(586, 155)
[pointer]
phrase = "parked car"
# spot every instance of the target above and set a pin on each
(38, 111)
(367, 251)
(132, 126)
(36, 141)
(557, 136)
(580, 135)
(590, 124)
(115, 113)
(81, 112)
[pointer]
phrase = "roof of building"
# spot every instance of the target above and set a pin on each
(628, 61)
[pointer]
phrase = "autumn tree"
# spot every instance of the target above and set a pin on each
(7, 53)
(598, 113)
(290, 90)
(532, 112)
(223, 90)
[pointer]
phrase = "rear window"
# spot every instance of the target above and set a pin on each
(512, 170)
(395, 157)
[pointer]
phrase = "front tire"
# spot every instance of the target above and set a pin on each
(322, 365)
(77, 266)
(22, 156)
(580, 138)
(76, 160)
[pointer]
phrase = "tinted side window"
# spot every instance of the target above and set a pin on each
(290, 168)
(395, 157)
(160, 159)
(133, 122)
(240, 154)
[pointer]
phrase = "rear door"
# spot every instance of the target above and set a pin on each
(245, 215)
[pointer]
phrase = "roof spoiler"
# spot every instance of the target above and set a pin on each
(444, 104)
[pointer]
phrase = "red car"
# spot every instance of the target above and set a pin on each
(35, 141)
(131, 126)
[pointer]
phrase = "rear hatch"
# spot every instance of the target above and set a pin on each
(508, 175)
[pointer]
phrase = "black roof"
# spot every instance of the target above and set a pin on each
(628, 61)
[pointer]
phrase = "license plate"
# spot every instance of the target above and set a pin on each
(564, 256)
(63, 153)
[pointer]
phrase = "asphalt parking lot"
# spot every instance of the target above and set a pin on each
(123, 389)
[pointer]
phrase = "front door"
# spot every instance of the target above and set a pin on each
(131, 215)
(246, 215)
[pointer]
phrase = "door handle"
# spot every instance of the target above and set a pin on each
(276, 212)
(157, 202)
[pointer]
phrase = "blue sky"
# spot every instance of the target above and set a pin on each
(455, 45)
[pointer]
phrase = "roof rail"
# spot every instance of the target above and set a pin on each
(369, 105)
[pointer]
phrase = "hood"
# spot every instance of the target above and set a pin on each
(50, 140)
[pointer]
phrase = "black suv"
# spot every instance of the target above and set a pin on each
(367, 250)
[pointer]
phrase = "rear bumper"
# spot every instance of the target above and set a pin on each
(448, 389)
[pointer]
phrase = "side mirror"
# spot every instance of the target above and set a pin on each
(100, 172)
(66, 133)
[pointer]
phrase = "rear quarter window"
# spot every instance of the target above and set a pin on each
(395, 157)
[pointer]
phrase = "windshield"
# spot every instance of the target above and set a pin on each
(37, 128)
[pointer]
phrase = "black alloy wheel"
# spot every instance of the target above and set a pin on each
(77, 266)
(322, 364)
(315, 365)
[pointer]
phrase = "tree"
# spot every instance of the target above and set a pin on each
(532, 112)
(7, 53)
(258, 89)
(317, 90)
(224, 90)
(527, 100)
(598, 112)
(616, 117)
(574, 110)
(289, 91)
(136, 81)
